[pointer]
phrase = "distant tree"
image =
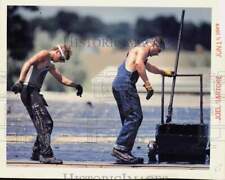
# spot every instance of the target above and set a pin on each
(91, 27)
(168, 27)
(48, 24)
(71, 23)
(190, 34)
(144, 29)
(67, 21)
(19, 41)
(120, 33)
(204, 35)
(19, 32)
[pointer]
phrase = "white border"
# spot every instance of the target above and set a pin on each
(217, 168)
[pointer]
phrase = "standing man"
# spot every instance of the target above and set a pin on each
(126, 96)
(31, 78)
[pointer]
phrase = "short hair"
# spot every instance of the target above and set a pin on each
(66, 50)
(157, 40)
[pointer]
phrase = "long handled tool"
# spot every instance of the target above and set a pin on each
(170, 107)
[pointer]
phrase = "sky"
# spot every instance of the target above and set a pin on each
(130, 15)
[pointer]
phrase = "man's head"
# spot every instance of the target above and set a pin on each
(61, 53)
(155, 45)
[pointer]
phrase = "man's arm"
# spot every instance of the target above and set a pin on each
(153, 69)
(62, 79)
(26, 66)
(140, 66)
(65, 81)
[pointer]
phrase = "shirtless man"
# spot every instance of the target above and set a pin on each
(31, 78)
(126, 96)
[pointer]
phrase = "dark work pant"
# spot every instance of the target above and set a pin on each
(129, 106)
(36, 107)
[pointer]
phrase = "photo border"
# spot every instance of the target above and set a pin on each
(217, 155)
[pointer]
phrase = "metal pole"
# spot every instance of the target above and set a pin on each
(170, 107)
(162, 100)
(201, 100)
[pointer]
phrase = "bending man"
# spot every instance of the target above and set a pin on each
(31, 78)
(126, 96)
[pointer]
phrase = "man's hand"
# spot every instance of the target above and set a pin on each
(17, 87)
(149, 89)
(79, 89)
(168, 73)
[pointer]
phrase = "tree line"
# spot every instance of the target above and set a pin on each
(20, 31)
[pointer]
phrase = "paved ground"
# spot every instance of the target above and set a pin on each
(84, 132)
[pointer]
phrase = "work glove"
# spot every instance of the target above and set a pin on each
(168, 73)
(149, 90)
(79, 89)
(17, 87)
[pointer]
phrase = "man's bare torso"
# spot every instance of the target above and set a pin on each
(132, 56)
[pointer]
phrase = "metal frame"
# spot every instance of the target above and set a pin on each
(200, 91)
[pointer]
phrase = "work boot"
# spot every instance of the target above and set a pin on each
(50, 160)
(35, 156)
(124, 157)
(140, 160)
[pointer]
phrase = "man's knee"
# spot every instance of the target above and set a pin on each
(49, 125)
(135, 117)
(42, 116)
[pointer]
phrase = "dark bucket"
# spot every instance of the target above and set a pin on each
(182, 142)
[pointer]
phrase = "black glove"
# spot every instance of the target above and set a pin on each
(149, 94)
(17, 87)
(79, 89)
(149, 90)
